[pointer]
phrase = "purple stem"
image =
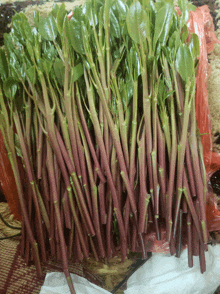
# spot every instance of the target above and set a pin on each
(162, 166)
(68, 187)
(103, 214)
(189, 239)
(32, 183)
(198, 175)
(190, 170)
(39, 153)
(109, 228)
(53, 188)
(100, 142)
(98, 169)
(81, 154)
(63, 154)
(66, 208)
(144, 196)
(189, 200)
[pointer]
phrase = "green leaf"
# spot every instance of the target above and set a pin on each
(31, 74)
(55, 10)
(184, 62)
(191, 7)
(50, 53)
(60, 17)
(30, 49)
(114, 25)
(10, 87)
(59, 70)
(145, 2)
(163, 24)
(184, 10)
(3, 64)
(17, 145)
(16, 29)
(185, 33)
(25, 26)
(124, 30)
(47, 65)
(86, 38)
(126, 91)
(91, 10)
(48, 28)
(74, 34)
(41, 65)
(38, 47)
(137, 22)
(194, 45)
(77, 72)
(19, 102)
(122, 8)
(135, 63)
(174, 40)
(167, 1)
(37, 18)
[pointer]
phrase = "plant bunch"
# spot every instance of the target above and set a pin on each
(104, 110)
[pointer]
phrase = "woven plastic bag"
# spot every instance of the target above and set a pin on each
(7, 182)
(201, 23)
(165, 274)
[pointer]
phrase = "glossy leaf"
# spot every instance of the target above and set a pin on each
(47, 64)
(137, 22)
(194, 45)
(122, 8)
(10, 87)
(86, 38)
(145, 2)
(184, 10)
(90, 12)
(48, 28)
(60, 17)
(37, 18)
(31, 74)
(3, 64)
(59, 70)
(174, 41)
(114, 26)
(77, 72)
(30, 49)
(50, 53)
(25, 28)
(184, 62)
(163, 24)
(135, 62)
(55, 10)
(185, 33)
(74, 34)
(17, 146)
(38, 47)
(16, 20)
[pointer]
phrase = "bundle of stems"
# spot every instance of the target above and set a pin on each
(101, 109)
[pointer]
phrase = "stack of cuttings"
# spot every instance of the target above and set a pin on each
(103, 106)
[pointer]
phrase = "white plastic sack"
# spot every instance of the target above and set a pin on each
(55, 283)
(165, 274)
(161, 274)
